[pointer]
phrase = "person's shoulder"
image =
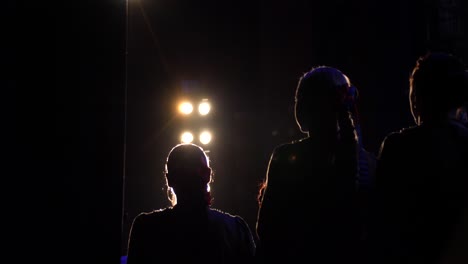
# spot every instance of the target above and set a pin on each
(402, 135)
(405, 132)
(288, 147)
(293, 143)
(396, 139)
(222, 216)
(217, 213)
(283, 147)
(148, 216)
(233, 224)
(156, 212)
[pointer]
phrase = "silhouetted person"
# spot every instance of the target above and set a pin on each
(190, 231)
(422, 172)
(307, 212)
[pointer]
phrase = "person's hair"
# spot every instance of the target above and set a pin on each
(438, 84)
(320, 96)
(188, 172)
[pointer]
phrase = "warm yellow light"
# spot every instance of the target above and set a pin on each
(205, 137)
(186, 137)
(185, 108)
(204, 108)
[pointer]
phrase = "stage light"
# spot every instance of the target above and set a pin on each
(186, 108)
(205, 137)
(204, 107)
(186, 137)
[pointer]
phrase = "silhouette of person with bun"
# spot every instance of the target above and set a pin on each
(307, 211)
(190, 231)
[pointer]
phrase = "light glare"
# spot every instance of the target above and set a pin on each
(205, 137)
(185, 108)
(204, 108)
(186, 137)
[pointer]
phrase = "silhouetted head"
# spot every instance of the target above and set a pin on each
(188, 174)
(320, 96)
(438, 85)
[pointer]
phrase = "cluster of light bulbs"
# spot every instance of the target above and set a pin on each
(204, 108)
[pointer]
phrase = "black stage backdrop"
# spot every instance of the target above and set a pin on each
(95, 86)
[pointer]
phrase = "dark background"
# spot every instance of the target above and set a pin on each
(96, 86)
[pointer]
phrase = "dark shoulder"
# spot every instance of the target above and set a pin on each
(150, 216)
(298, 143)
(234, 221)
(403, 133)
(399, 138)
(283, 151)
(221, 215)
(282, 148)
(423, 135)
(233, 226)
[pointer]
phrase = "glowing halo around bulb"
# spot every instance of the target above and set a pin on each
(186, 137)
(204, 108)
(205, 137)
(185, 108)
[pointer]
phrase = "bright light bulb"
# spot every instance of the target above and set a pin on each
(204, 108)
(185, 108)
(186, 137)
(205, 137)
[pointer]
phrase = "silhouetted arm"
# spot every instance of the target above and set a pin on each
(265, 200)
(269, 229)
(135, 253)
